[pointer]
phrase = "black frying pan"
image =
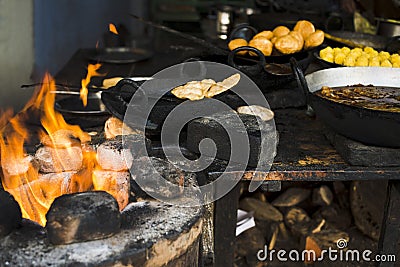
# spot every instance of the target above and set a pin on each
(268, 76)
(372, 127)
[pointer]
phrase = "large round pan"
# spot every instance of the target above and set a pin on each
(372, 127)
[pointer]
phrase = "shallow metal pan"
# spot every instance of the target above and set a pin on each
(372, 127)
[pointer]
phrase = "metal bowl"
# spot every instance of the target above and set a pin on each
(93, 115)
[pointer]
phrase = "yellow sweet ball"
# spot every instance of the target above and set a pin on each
(325, 51)
(372, 53)
(386, 63)
(329, 57)
(345, 50)
(369, 49)
(339, 58)
(394, 58)
(383, 55)
(356, 52)
(396, 65)
(362, 61)
(349, 61)
(374, 62)
(337, 50)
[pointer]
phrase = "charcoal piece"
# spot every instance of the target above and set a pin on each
(262, 146)
(12, 167)
(137, 144)
(114, 183)
(59, 159)
(117, 154)
(162, 180)
(82, 217)
(10, 213)
(111, 155)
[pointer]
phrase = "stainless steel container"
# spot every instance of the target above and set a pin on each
(388, 27)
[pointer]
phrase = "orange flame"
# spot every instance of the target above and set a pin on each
(112, 28)
(33, 190)
(92, 71)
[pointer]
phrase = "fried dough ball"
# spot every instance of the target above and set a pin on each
(235, 43)
(273, 39)
(280, 31)
(262, 44)
(264, 34)
(305, 28)
(298, 37)
(287, 44)
(314, 39)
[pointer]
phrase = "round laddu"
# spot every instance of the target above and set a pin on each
(111, 155)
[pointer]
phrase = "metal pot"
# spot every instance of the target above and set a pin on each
(388, 27)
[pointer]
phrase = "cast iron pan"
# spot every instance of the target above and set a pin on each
(119, 55)
(326, 63)
(372, 127)
(94, 114)
(117, 99)
(375, 41)
(247, 32)
(268, 76)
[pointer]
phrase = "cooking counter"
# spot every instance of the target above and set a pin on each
(304, 154)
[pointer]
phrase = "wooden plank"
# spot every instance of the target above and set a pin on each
(390, 231)
(225, 213)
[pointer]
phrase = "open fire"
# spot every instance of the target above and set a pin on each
(65, 163)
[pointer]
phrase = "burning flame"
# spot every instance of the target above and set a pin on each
(112, 28)
(92, 71)
(34, 190)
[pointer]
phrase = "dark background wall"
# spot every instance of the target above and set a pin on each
(63, 26)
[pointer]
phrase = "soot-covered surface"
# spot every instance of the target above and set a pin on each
(144, 225)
